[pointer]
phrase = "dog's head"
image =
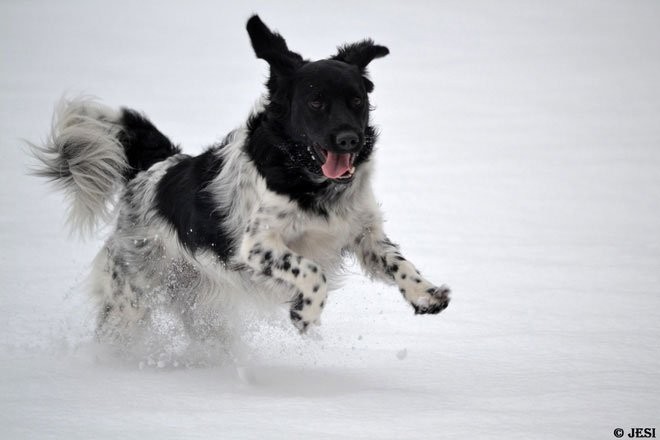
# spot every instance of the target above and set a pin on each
(321, 108)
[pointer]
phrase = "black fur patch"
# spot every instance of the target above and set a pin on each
(297, 303)
(182, 199)
(143, 143)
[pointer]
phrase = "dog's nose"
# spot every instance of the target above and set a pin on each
(347, 140)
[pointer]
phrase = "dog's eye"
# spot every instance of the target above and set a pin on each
(316, 104)
(356, 102)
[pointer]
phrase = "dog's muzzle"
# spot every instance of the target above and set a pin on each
(335, 165)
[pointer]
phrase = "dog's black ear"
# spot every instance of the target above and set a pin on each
(271, 47)
(361, 54)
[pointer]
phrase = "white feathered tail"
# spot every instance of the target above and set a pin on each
(85, 158)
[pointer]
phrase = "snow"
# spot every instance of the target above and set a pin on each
(519, 162)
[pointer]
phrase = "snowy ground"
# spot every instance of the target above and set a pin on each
(519, 162)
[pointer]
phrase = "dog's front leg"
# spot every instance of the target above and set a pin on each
(382, 259)
(264, 251)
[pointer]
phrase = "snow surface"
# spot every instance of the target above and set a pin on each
(519, 162)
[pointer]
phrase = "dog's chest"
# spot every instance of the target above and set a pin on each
(321, 239)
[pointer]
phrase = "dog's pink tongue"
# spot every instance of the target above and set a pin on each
(336, 165)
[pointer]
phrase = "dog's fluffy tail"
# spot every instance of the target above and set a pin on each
(92, 151)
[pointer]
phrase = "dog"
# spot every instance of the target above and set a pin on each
(271, 210)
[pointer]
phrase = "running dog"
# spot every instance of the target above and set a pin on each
(271, 210)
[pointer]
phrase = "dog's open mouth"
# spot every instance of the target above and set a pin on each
(335, 166)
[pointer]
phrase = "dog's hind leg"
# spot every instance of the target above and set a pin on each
(120, 308)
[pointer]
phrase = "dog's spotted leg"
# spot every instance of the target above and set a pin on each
(264, 251)
(382, 259)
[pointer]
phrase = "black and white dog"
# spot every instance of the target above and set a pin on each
(271, 210)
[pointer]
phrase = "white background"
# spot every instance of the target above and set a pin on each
(519, 162)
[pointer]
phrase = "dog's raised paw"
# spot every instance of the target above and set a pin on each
(435, 300)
